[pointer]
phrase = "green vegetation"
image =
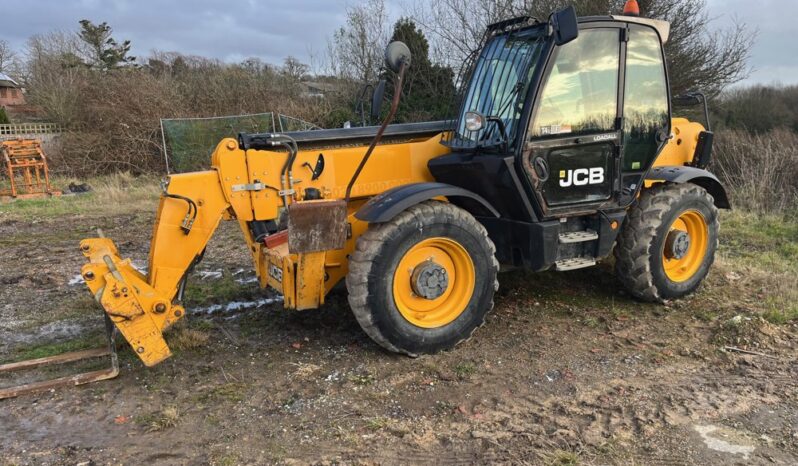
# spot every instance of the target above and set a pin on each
(464, 370)
(768, 242)
(111, 195)
(223, 290)
(761, 255)
(52, 349)
(377, 423)
(563, 458)
(231, 391)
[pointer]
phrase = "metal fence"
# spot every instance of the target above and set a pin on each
(189, 142)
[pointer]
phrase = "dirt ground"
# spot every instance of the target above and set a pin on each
(567, 370)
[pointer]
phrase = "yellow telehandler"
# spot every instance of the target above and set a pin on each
(563, 150)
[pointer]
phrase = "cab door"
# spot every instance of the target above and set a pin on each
(646, 108)
(573, 141)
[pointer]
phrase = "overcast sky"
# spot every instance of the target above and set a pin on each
(232, 30)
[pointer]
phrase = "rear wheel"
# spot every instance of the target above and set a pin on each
(668, 242)
(424, 281)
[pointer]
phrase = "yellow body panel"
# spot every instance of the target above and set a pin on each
(681, 146)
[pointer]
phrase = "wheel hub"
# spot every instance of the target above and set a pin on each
(677, 244)
(429, 280)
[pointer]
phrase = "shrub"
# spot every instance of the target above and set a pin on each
(760, 171)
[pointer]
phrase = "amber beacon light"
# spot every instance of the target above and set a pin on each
(631, 8)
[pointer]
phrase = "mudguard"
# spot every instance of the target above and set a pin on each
(387, 205)
(699, 176)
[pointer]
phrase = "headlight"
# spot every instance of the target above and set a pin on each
(474, 121)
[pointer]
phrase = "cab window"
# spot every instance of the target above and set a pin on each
(581, 92)
(645, 108)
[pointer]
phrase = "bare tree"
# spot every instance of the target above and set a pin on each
(9, 61)
(294, 69)
(355, 50)
(698, 57)
(53, 72)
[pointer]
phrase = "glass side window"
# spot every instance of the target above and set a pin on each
(581, 92)
(645, 108)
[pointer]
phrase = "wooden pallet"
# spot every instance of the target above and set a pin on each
(26, 169)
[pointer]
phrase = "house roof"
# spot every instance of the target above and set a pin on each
(6, 81)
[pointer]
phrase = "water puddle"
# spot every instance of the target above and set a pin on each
(209, 274)
(235, 306)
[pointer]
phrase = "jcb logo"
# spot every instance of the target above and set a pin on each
(581, 176)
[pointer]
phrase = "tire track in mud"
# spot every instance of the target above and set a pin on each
(635, 408)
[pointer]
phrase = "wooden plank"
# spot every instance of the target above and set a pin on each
(78, 379)
(57, 359)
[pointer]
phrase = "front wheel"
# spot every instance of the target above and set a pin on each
(423, 281)
(668, 242)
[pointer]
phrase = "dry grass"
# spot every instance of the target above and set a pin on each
(759, 171)
(114, 194)
(161, 420)
(185, 338)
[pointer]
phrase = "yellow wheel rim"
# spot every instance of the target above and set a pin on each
(447, 258)
(681, 258)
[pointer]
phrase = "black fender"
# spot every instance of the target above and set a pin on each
(699, 176)
(387, 205)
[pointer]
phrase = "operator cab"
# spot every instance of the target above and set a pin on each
(568, 114)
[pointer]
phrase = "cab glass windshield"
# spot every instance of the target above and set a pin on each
(498, 86)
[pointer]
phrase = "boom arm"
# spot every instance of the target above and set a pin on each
(142, 306)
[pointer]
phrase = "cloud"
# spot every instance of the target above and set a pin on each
(230, 31)
(771, 56)
(273, 29)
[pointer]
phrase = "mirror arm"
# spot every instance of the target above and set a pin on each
(397, 93)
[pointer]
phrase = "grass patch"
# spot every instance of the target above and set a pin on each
(377, 423)
(232, 391)
(782, 316)
(767, 242)
(465, 370)
(160, 420)
(759, 255)
(185, 338)
(362, 379)
(226, 459)
(223, 290)
(562, 458)
(51, 349)
(111, 195)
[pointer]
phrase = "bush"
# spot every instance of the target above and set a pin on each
(760, 171)
(111, 118)
(4, 117)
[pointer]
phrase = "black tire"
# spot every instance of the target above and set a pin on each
(375, 259)
(639, 262)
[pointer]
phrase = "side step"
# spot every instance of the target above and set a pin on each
(578, 236)
(574, 263)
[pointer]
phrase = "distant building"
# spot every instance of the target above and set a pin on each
(317, 89)
(10, 92)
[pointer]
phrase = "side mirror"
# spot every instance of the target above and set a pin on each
(376, 100)
(395, 54)
(565, 25)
